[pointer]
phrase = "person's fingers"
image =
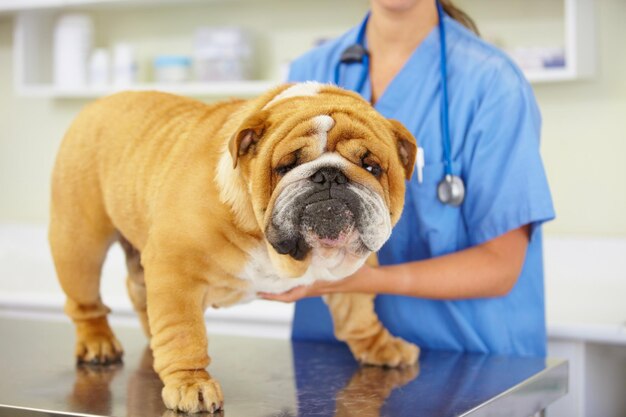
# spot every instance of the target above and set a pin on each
(292, 295)
(273, 297)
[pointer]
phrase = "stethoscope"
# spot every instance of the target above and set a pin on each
(451, 189)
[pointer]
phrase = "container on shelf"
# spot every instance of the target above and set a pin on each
(72, 43)
(100, 68)
(538, 58)
(172, 69)
(222, 54)
(124, 65)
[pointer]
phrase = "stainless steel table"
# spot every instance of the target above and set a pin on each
(262, 377)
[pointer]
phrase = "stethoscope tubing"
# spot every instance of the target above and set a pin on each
(451, 185)
(445, 123)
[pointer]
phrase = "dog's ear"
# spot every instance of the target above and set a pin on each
(407, 147)
(247, 135)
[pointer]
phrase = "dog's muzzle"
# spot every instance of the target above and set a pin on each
(330, 211)
(323, 211)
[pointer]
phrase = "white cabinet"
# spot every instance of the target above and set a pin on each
(287, 30)
(585, 283)
(597, 378)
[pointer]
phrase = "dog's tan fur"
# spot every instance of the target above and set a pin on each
(186, 188)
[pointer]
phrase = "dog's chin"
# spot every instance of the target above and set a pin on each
(336, 257)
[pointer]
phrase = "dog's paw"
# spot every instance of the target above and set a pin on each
(95, 343)
(392, 352)
(193, 392)
(98, 348)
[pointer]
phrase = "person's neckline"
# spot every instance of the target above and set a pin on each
(429, 43)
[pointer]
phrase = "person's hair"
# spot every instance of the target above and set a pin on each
(459, 15)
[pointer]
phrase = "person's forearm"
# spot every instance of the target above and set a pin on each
(487, 270)
(471, 273)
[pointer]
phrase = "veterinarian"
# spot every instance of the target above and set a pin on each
(463, 268)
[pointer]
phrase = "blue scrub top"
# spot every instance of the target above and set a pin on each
(494, 129)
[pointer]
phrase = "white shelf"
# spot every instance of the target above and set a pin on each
(34, 25)
(550, 75)
(219, 89)
(216, 89)
(33, 63)
(9, 6)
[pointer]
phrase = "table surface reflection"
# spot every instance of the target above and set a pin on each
(265, 377)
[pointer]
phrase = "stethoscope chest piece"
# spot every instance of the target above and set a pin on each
(451, 190)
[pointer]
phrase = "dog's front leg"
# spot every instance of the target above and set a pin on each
(179, 340)
(357, 324)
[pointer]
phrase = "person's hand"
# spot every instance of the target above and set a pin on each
(353, 283)
(297, 293)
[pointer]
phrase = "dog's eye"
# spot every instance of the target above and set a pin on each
(282, 170)
(371, 166)
(375, 169)
(287, 163)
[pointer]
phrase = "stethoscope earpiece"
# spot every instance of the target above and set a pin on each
(450, 189)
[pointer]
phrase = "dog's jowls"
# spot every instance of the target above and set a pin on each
(213, 203)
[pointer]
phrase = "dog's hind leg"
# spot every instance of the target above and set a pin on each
(135, 283)
(80, 235)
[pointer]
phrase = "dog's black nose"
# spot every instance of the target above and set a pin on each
(328, 176)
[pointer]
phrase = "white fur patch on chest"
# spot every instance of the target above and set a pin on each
(263, 277)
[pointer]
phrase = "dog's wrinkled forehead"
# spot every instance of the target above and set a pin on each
(330, 106)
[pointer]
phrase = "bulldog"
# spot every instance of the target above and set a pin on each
(215, 203)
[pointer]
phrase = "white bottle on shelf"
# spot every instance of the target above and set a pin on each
(124, 65)
(99, 68)
(72, 43)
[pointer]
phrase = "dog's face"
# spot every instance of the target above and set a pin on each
(325, 173)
